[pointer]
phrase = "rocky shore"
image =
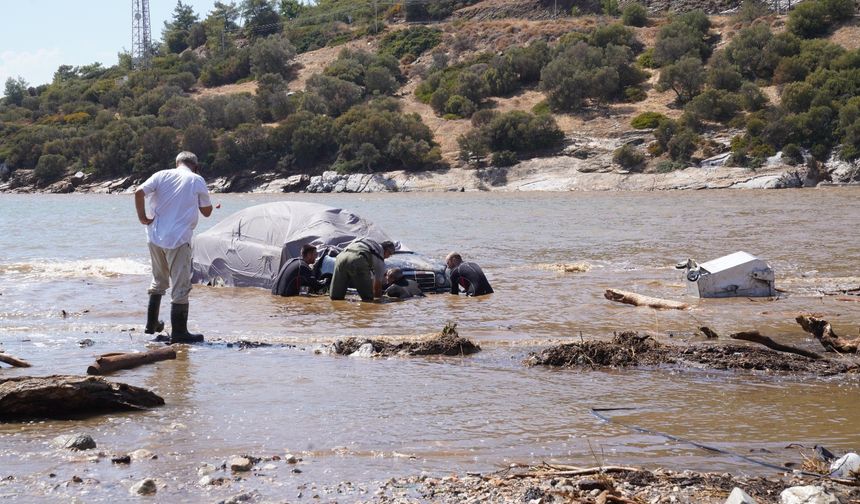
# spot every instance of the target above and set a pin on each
(585, 165)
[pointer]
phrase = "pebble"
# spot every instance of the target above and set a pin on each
(240, 464)
(144, 487)
(206, 469)
(142, 455)
(121, 459)
(75, 442)
(291, 459)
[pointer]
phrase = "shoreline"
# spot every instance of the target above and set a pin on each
(557, 174)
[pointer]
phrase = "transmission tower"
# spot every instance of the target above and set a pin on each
(141, 38)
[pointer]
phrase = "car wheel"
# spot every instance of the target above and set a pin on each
(219, 274)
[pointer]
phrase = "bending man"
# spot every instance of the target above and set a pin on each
(361, 265)
(467, 275)
(177, 195)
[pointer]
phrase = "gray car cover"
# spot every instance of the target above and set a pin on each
(250, 245)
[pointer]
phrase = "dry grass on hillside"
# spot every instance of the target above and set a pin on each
(314, 62)
(848, 36)
(227, 89)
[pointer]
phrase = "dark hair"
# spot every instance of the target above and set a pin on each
(307, 248)
(388, 245)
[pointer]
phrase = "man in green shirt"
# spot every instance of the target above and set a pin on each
(361, 265)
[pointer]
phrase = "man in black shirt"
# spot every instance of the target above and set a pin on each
(297, 273)
(467, 275)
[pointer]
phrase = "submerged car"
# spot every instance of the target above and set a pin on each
(248, 248)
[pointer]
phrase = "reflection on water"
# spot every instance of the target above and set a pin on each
(354, 419)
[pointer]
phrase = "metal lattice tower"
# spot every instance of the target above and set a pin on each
(141, 38)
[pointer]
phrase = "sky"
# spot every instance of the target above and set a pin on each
(37, 36)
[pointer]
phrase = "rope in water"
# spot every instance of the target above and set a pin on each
(598, 412)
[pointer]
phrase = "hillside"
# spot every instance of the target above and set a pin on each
(492, 95)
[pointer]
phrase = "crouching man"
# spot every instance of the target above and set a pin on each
(468, 276)
(400, 286)
(361, 266)
(176, 196)
(297, 273)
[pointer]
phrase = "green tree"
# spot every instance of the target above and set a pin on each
(177, 30)
(289, 9)
(49, 168)
(634, 14)
(685, 78)
(261, 18)
(16, 90)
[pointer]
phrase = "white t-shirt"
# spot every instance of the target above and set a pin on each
(177, 195)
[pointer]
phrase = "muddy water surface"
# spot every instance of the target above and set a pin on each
(363, 420)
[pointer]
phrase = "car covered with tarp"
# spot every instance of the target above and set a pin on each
(248, 247)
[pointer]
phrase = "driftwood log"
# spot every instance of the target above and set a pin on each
(823, 332)
(12, 361)
(108, 363)
(62, 396)
(632, 298)
(756, 337)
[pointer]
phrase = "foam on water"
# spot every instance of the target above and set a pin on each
(51, 269)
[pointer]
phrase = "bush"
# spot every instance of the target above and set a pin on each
(666, 166)
(582, 72)
(714, 105)
(633, 94)
(815, 17)
(646, 59)
(752, 98)
(519, 131)
(682, 145)
(179, 112)
(797, 97)
(751, 10)
(504, 158)
(413, 40)
(613, 34)
(628, 157)
(158, 146)
(49, 168)
(683, 36)
(541, 108)
(647, 120)
(228, 111)
(199, 140)
(460, 106)
(792, 154)
(338, 95)
(634, 14)
(273, 54)
(226, 69)
(722, 74)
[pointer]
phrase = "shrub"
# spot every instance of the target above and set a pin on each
(226, 69)
(647, 120)
(272, 99)
(180, 112)
(634, 94)
(460, 106)
(628, 157)
(228, 111)
(413, 40)
(714, 105)
(667, 166)
(49, 168)
(338, 95)
(750, 10)
(273, 54)
(797, 97)
(815, 17)
(540, 108)
(751, 97)
(482, 117)
(722, 74)
(158, 147)
(613, 34)
(244, 148)
(792, 154)
(682, 145)
(683, 36)
(634, 14)
(504, 158)
(609, 7)
(519, 131)
(582, 72)
(646, 59)
(199, 140)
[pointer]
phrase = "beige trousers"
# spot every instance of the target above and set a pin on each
(171, 267)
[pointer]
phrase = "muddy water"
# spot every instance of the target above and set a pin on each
(365, 420)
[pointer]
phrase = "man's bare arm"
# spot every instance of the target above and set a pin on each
(140, 205)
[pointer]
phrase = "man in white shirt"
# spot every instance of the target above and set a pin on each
(176, 197)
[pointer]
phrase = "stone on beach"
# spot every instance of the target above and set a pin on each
(74, 442)
(846, 466)
(738, 496)
(144, 487)
(240, 464)
(809, 494)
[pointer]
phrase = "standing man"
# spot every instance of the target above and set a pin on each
(177, 195)
(297, 273)
(361, 265)
(467, 275)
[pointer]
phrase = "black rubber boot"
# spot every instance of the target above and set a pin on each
(179, 325)
(153, 325)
